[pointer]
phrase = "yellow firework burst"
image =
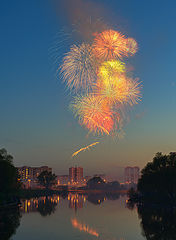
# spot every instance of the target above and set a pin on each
(119, 90)
(110, 70)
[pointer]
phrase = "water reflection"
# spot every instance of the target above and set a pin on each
(76, 201)
(93, 222)
(158, 223)
(44, 205)
(47, 206)
(9, 222)
(84, 227)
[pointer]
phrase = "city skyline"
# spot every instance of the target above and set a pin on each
(130, 174)
(36, 126)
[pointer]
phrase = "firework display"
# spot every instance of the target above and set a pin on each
(79, 66)
(97, 73)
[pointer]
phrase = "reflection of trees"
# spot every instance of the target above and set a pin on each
(101, 197)
(9, 222)
(112, 196)
(96, 198)
(46, 206)
(158, 223)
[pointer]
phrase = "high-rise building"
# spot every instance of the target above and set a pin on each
(76, 174)
(131, 175)
(31, 173)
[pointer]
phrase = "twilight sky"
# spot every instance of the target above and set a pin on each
(37, 127)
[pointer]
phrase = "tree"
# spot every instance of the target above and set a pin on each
(9, 183)
(9, 222)
(158, 179)
(47, 179)
(5, 156)
(95, 183)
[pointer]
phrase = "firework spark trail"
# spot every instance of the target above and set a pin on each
(84, 148)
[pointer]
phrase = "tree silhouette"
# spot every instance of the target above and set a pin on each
(95, 183)
(9, 222)
(9, 183)
(47, 179)
(158, 179)
(157, 223)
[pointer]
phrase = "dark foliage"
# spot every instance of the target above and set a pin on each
(9, 183)
(158, 179)
(47, 179)
(158, 223)
(9, 222)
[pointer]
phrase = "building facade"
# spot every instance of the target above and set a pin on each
(31, 173)
(75, 174)
(131, 175)
(62, 180)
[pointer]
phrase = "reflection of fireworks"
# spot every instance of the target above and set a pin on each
(78, 68)
(84, 227)
(109, 45)
(84, 148)
(93, 113)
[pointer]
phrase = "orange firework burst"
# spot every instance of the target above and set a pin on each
(109, 45)
(94, 113)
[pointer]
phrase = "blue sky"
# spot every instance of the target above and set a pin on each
(36, 126)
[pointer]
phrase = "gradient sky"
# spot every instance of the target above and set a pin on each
(36, 126)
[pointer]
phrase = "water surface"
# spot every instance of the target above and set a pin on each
(77, 217)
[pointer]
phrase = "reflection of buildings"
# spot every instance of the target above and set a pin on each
(32, 205)
(28, 175)
(76, 201)
(76, 174)
(131, 175)
(32, 172)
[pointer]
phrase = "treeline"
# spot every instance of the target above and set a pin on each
(157, 184)
(9, 184)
